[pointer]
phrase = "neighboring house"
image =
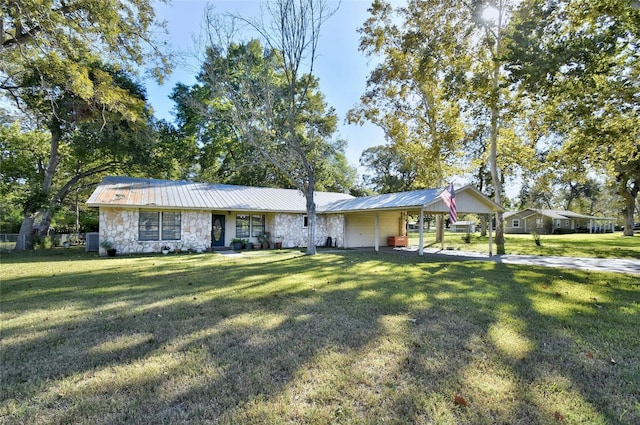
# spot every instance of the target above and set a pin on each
(142, 215)
(555, 221)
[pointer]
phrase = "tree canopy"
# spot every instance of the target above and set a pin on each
(69, 66)
(579, 62)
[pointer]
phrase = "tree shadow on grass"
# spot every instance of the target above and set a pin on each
(350, 337)
(529, 353)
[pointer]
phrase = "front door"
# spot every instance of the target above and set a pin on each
(217, 230)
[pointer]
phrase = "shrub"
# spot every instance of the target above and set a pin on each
(562, 231)
(536, 238)
(42, 242)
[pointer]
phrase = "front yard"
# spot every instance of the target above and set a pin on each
(346, 337)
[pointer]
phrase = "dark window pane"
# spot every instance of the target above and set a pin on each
(257, 225)
(170, 225)
(149, 226)
(242, 226)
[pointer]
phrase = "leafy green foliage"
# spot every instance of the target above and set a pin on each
(579, 62)
(387, 170)
(70, 67)
(237, 114)
(412, 94)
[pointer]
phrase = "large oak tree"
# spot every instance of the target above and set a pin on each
(65, 64)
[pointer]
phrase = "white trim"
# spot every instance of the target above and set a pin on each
(490, 237)
(421, 227)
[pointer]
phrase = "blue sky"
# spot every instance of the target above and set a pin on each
(341, 68)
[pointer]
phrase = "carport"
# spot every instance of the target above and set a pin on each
(370, 220)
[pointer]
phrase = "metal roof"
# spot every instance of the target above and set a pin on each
(561, 214)
(414, 198)
(149, 193)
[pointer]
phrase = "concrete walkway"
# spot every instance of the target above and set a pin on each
(615, 265)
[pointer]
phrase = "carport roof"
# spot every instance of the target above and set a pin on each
(412, 200)
(389, 201)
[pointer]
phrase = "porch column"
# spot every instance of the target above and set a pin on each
(590, 225)
(442, 227)
(421, 227)
(491, 236)
(377, 232)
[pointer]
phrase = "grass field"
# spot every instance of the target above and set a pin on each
(603, 245)
(275, 337)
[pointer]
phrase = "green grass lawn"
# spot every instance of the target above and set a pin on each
(603, 245)
(347, 337)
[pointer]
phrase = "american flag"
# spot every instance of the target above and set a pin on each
(449, 198)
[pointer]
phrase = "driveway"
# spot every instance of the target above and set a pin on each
(616, 265)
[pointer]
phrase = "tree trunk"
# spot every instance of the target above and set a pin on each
(24, 235)
(629, 197)
(49, 173)
(26, 228)
(439, 228)
(45, 222)
(483, 226)
(495, 177)
(494, 105)
(311, 222)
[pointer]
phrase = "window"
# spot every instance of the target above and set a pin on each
(242, 226)
(539, 223)
(257, 225)
(305, 221)
(249, 225)
(158, 225)
(149, 226)
(515, 223)
(171, 226)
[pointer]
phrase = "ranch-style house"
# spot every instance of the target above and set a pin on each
(143, 215)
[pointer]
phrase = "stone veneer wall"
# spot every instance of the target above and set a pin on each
(289, 229)
(120, 226)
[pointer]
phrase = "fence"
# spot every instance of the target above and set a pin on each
(8, 241)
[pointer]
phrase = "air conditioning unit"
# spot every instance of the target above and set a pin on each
(93, 241)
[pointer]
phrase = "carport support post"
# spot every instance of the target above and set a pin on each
(421, 227)
(491, 236)
(442, 230)
(377, 232)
